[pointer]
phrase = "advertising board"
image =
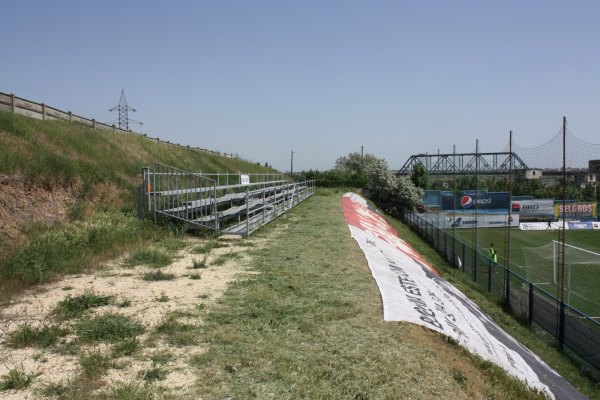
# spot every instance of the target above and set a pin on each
(481, 201)
(468, 220)
(535, 209)
(576, 210)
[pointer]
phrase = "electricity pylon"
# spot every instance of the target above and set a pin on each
(123, 108)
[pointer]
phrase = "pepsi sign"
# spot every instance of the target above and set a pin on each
(482, 201)
(466, 202)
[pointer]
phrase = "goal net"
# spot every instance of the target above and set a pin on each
(581, 273)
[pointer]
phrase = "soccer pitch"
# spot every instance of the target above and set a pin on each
(533, 256)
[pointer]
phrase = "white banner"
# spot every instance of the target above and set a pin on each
(541, 226)
(412, 291)
(483, 220)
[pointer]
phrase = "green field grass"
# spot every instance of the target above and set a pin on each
(532, 257)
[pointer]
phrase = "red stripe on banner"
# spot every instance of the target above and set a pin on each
(367, 220)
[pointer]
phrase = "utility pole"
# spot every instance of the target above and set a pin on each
(475, 210)
(362, 155)
(507, 275)
(561, 247)
(292, 164)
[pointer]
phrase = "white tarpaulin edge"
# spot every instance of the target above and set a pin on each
(412, 291)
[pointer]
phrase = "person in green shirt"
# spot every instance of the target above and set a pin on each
(492, 253)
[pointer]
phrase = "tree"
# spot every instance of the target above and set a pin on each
(388, 191)
(419, 176)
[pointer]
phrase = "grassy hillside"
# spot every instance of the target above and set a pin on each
(63, 152)
(67, 193)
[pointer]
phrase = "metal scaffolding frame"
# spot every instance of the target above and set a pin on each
(221, 202)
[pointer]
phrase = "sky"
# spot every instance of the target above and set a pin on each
(320, 78)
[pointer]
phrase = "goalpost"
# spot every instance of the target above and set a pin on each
(581, 274)
(574, 256)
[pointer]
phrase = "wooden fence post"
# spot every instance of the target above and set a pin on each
(43, 112)
(12, 103)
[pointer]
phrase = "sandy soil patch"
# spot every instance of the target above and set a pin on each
(190, 293)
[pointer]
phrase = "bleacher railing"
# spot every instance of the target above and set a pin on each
(224, 202)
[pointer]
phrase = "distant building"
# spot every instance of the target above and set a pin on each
(533, 174)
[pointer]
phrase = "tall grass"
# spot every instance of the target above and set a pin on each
(150, 257)
(68, 248)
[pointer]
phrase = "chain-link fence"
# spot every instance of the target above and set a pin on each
(572, 328)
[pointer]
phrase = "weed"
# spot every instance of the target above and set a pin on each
(173, 243)
(54, 390)
(459, 377)
(124, 303)
(73, 307)
(196, 264)
(94, 364)
(163, 298)
(195, 276)
(178, 333)
(66, 288)
(130, 391)
(126, 347)
(161, 357)
(158, 276)
(107, 328)
(205, 248)
(43, 336)
(149, 257)
(199, 360)
(15, 379)
(153, 374)
(223, 258)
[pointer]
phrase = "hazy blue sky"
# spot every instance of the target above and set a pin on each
(322, 78)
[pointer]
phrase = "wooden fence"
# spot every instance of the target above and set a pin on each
(18, 105)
